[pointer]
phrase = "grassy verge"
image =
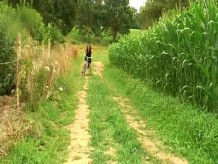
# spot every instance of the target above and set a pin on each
(49, 142)
(187, 130)
(109, 129)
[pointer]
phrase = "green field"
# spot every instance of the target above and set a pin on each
(151, 95)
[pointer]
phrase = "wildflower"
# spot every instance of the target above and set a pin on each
(47, 68)
(61, 89)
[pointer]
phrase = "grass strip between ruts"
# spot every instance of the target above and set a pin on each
(110, 130)
(185, 129)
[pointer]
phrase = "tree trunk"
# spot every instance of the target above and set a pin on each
(114, 34)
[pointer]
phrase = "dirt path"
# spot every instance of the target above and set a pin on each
(143, 135)
(98, 68)
(139, 126)
(79, 149)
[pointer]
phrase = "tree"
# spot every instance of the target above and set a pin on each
(118, 16)
(89, 16)
(154, 9)
(136, 22)
(94, 16)
(65, 14)
(61, 13)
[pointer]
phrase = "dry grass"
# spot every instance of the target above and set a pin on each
(53, 61)
(13, 125)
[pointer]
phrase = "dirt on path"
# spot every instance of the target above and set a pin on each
(98, 68)
(143, 135)
(79, 148)
(139, 126)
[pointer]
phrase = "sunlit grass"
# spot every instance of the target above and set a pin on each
(178, 56)
(184, 129)
(110, 130)
(49, 143)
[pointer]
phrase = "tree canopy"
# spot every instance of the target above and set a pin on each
(154, 9)
(98, 15)
(89, 15)
(60, 13)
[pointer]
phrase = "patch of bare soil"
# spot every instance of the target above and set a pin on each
(111, 152)
(98, 67)
(143, 135)
(79, 149)
(13, 125)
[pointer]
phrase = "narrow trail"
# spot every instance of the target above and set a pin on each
(143, 135)
(98, 68)
(139, 126)
(79, 149)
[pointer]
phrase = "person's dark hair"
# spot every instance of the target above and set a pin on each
(89, 48)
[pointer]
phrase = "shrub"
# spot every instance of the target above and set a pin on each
(7, 53)
(82, 36)
(29, 23)
(54, 34)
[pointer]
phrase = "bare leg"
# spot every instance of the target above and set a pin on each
(84, 69)
(90, 69)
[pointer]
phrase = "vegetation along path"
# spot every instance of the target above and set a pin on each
(107, 129)
(110, 117)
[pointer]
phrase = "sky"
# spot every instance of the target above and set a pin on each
(137, 3)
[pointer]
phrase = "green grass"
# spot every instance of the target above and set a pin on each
(50, 139)
(187, 130)
(177, 56)
(109, 128)
(135, 32)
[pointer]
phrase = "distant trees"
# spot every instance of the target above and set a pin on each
(154, 9)
(91, 16)
(118, 17)
(98, 15)
(60, 13)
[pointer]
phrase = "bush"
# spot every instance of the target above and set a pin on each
(7, 53)
(28, 22)
(32, 21)
(54, 34)
(7, 72)
(82, 36)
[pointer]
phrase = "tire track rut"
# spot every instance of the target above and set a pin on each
(79, 148)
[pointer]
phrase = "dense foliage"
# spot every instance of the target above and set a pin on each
(90, 17)
(99, 16)
(155, 9)
(58, 13)
(177, 56)
(7, 54)
(27, 22)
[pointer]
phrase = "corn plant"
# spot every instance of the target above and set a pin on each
(178, 56)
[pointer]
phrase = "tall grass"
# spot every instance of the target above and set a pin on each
(38, 61)
(40, 66)
(28, 22)
(31, 62)
(178, 55)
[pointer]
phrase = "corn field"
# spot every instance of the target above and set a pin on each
(179, 55)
